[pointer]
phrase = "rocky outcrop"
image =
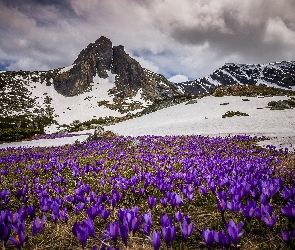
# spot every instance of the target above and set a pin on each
(100, 57)
(95, 59)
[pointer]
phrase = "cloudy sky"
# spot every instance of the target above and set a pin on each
(186, 39)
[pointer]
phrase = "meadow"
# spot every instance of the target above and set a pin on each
(148, 192)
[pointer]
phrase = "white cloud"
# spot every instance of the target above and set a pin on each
(27, 64)
(147, 64)
(178, 78)
(278, 32)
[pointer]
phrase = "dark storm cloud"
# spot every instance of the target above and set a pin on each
(266, 38)
(247, 41)
(173, 37)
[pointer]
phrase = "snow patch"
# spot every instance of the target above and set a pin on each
(65, 69)
(82, 107)
(212, 81)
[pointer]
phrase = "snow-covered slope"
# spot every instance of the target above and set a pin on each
(85, 106)
(81, 107)
(28, 93)
(205, 118)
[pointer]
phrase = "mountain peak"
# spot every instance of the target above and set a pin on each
(101, 57)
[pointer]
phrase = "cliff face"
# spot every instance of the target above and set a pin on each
(100, 58)
(95, 59)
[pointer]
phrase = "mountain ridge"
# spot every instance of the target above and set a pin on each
(277, 74)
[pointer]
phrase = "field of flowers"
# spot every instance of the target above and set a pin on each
(148, 192)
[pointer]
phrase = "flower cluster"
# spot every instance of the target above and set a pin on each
(110, 193)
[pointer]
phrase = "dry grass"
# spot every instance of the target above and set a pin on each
(286, 170)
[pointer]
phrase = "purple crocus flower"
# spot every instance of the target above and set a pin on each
(178, 200)
(79, 207)
(55, 211)
(249, 210)
(254, 193)
(178, 215)
(168, 234)
(267, 208)
(187, 228)
(234, 231)
(234, 206)
(152, 201)
(89, 226)
(5, 215)
(81, 233)
(38, 225)
(287, 193)
(148, 223)
(31, 211)
(135, 210)
(156, 240)
(289, 210)
(113, 231)
(45, 204)
(285, 235)
(14, 219)
(5, 231)
(208, 237)
(93, 211)
(269, 220)
(105, 213)
(141, 191)
(222, 239)
(4, 196)
(124, 233)
(203, 190)
(164, 201)
(63, 214)
(83, 230)
(190, 196)
(166, 220)
(221, 205)
(121, 214)
(264, 198)
(128, 217)
(135, 223)
(20, 238)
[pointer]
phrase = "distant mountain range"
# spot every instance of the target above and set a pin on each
(278, 74)
(104, 81)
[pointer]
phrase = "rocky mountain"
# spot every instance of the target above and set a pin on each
(106, 85)
(99, 58)
(279, 74)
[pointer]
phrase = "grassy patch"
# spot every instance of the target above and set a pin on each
(234, 113)
(250, 90)
(282, 104)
